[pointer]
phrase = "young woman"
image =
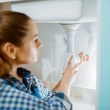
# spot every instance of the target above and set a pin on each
(19, 88)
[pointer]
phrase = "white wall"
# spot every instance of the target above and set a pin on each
(52, 53)
(86, 76)
(51, 61)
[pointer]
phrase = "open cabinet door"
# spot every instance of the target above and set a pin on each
(104, 70)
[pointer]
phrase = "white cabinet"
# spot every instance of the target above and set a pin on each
(56, 12)
(59, 11)
(53, 10)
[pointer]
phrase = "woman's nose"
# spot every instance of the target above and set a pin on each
(39, 44)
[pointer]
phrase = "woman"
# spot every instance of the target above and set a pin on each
(19, 89)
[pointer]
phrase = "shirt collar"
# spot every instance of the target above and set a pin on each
(23, 86)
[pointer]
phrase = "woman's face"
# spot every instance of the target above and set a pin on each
(29, 51)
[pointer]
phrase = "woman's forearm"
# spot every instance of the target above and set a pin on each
(64, 85)
(60, 87)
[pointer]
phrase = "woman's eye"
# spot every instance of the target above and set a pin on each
(35, 42)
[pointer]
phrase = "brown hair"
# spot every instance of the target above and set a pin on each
(13, 29)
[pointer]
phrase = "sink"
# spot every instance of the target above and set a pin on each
(54, 10)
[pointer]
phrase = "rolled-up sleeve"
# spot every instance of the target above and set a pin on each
(13, 99)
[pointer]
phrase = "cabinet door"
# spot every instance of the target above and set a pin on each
(104, 57)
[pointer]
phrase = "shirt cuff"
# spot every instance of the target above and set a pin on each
(65, 100)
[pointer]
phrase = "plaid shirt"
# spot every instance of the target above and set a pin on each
(30, 94)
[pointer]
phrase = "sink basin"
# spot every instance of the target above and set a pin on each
(58, 10)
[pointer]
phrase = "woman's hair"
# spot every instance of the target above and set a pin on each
(13, 29)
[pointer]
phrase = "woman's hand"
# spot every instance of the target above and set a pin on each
(67, 80)
(84, 57)
(69, 73)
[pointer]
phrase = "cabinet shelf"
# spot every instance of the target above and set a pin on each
(82, 20)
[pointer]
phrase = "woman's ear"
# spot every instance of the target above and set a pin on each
(10, 50)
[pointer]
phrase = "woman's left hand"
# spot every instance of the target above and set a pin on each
(84, 57)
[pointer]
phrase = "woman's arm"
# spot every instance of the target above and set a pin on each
(64, 85)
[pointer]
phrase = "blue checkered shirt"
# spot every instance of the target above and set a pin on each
(30, 94)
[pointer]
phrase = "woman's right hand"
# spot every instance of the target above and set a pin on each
(67, 80)
(69, 73)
